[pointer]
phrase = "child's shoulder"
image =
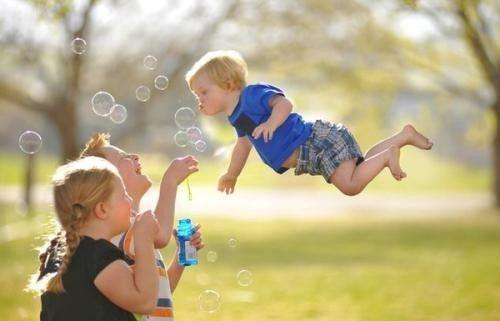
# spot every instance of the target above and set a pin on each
(261, 86)
(95, 254)
(90, 247)
(259, 90)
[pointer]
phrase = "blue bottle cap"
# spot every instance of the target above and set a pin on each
(184, 220)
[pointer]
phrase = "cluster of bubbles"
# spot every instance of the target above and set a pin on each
(103, 104)
(143, 93)
(209, 300)
(185, 119)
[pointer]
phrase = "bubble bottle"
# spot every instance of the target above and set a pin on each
(187, 252)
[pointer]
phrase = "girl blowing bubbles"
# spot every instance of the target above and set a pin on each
(94, 280)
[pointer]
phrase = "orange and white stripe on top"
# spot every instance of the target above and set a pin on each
(164, 307)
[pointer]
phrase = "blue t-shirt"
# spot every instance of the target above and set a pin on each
(253, 109)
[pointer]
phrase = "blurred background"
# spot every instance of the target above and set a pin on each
(425, 248)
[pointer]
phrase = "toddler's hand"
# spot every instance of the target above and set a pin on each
(180, 169)
(266, 130)
(146, 226)
(227, 183)
(195, 240)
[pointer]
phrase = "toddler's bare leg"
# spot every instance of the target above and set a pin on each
(351, 179)
(407, 136)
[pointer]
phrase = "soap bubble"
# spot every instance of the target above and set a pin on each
(244, 278)
(102, 102)
(194, 134)
(150, 62)
(209, 301)
(200, 146)
(212, 256)
(185, 117)
(232, 242)
(181, 139)
(118, 114)
(30, 142)
(161, 82)
(142, 93)
(78, 46)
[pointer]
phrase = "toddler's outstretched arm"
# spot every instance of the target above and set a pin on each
(238, 160)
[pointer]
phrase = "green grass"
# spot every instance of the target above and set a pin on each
(12, 168)
(342, 269)
(426, 174)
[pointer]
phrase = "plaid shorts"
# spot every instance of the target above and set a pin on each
(329, 145)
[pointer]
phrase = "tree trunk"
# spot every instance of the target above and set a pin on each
(496, 153)
(67, 127)
(28, 182)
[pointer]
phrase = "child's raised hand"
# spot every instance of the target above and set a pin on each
(227, 183)
(195, 240)
(266, 130)
(180, 169)
(146, 226)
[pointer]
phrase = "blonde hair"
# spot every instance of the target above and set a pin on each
(77, 187)
(95, 144)
(223, 67)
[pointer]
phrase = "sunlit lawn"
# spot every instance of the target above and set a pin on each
(427, 173)
(342, 269)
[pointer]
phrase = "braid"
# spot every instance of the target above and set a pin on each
(48, 257)
(72, 239)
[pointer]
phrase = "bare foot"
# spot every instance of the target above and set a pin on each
(416, 139)
(393, 163)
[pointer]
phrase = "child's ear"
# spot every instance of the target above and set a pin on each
(101, 210)
(230, 86)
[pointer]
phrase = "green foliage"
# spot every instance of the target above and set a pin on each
(53, 9)
(411, 3)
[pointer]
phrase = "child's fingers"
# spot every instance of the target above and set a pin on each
(192, 170)
(257, 132)
(198, 245)
(196, 235)
(191, 162)
(197, 227)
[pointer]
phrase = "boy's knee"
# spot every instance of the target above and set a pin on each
(350, 190)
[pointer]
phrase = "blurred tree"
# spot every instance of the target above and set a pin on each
(332, 57)
(475, 23)
(58, 81)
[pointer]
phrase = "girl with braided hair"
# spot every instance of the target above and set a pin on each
(93, 279)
